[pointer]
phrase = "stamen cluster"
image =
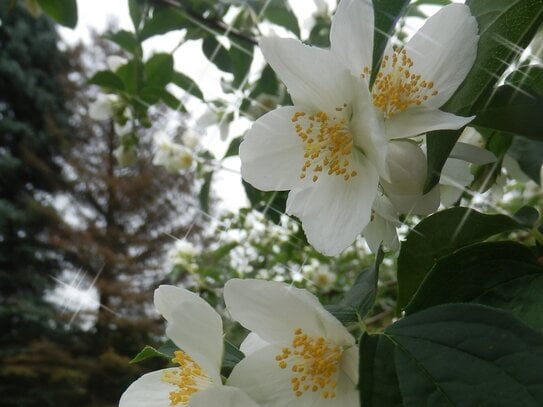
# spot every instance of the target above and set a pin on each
(314, 362)
(189, 377)
(396, 88)
(328, 144)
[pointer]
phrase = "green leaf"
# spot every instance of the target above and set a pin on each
(136, 9)
(439, 235)
(527, 76)
(147, 353)
(472, 271)
(529, 154)
(241, 58)
(505, 26)
(527, 216)
(217, 54)
(186, 83)
(466, 355)
(63, 12)
(378, 381)
(154, 94)
(205, 191)
(513, 110)
(164, 20)
(126, 40)
(386, 15)
(158, 70)
(131, 75)
(233, 147)
(279, 12)
(108, 80)
(231, 357)
(359, 300)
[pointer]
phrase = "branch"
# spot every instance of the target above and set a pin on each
(213, 23)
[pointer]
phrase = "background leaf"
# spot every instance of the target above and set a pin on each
(63, 12)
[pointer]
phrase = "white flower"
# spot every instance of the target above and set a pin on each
(190, 139)
(196, 328)
(330, 148)
(173, 156)
(320, 274)
(103, 107)
(383, 224)
(183, 253)
(302, 355)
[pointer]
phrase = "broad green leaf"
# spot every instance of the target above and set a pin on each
(527, 216)
(63, 12)
(527, 76)
(217, 54)
(147, 353)
(513, 110)
(439, 235)
(241, 58)
(158, 70)
(279, 12)
(378, 382)
(463, 355)
(186, 83)
(126, 40)
(472, 271)
(320, 33)
(498, 143)
(386, 15)
(505, 27)
(108, 80)
(154, 94)
(164, 20)
(529, 154)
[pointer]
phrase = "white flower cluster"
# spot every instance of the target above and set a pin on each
(296, 354)
(347, 150)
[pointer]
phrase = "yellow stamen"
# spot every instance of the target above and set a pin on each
(330, 147)
(396, 88)
(189, 377)
(314, 362)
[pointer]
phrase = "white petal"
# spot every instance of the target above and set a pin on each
(274, 310)
(368, 131)
(444, 49)
(416, 204)
(456, 173)
(168, 297)
(252, 343)
(275, 390)
(351, 34)
(197, 329)
(148, 391)
(221, 396)
(380, 230)
(472, 154)
(313, 77)
(449, 194)
(407, 168)
(272, 154)
(333, 211)
(413, 122)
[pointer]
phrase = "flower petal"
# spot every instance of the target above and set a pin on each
(148, 391)
(197, 329)
(168, 297)
(312, 75)
(416, 204)
(276, 389)
(413, 122)
(252, 343)
(333, 211)
(444, 49)
(351, 34)
(472, 154)
(273, 310)
(221, 396)
(381, 230)
(272, 154)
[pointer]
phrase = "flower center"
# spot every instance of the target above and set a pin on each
(396, 88)
(189, 377)
(328, 144)
(314, 363)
